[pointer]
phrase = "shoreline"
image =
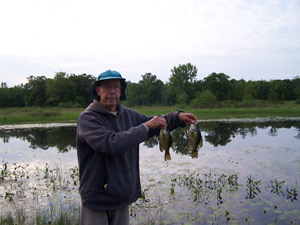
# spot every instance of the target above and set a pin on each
(231, 120)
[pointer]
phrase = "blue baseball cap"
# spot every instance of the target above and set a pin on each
(110, 75)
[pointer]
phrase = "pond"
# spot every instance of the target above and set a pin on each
(246, 172)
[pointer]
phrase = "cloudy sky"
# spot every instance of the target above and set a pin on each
(245, 39)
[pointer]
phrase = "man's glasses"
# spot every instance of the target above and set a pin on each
(107, 87)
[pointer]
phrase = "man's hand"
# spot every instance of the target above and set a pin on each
(188, 118)
(156, 121)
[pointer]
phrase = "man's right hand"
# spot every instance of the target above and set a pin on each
(156, 122)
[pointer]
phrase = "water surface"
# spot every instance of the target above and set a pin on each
(246, 172)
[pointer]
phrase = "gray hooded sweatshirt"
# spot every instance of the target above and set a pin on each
(108, 154)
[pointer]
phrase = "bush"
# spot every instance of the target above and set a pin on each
(205, 100)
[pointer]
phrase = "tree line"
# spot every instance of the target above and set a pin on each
(183, 88)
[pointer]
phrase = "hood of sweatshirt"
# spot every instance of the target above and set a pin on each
(97, 107)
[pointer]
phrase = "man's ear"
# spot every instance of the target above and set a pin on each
(97, 88)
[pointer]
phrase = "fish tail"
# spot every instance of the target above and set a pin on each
(195, 154)
(167, 156)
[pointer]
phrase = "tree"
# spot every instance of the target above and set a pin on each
(237, 89)
(83, 89)
(263, 89)
(148, 91)
(218, 84)
(182, 81)
(296, 88)
(151, 89)
(132, 94)
(35, 91)
(250, 91)
(60, 90)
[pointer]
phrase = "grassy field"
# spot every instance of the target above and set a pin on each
(56, 114)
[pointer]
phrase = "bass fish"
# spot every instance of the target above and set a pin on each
(165, 142)
(195, 139)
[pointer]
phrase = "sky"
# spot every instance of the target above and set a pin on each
(245, 39)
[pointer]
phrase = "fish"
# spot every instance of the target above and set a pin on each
(195, 139)
(165, 142)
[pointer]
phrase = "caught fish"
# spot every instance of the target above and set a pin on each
(195, 139)
(165, 142)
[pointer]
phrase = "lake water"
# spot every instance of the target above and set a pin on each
(247, 172)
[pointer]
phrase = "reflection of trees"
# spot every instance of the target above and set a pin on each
(63, 138)
(151, 142)
(298, 136)
(180, 141)
(217, 133)
(220, 134)
(273, 131)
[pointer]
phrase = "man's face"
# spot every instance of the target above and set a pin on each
(109, 92)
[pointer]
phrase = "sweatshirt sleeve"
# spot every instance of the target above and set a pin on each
(172, 121)
(94, 132)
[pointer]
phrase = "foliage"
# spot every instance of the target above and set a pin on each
(182, 82)
(182, 89)
(206, 99)
(219, 85)
(148, 91)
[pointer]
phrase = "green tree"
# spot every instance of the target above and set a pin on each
(35, 91)
(263, 89)
(132, 94)
(237, 89)
(182, 81)
(60, 90)
(218, 84)
(148, 91)
(250, 91)
(152, 89)
(12, 97)
(274, 92)
(82, 95)
(296, 88)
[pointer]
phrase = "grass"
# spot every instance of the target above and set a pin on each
(57, 114)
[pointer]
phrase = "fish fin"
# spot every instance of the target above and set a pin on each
(201, 142)
(161, 148)
(167, 156)
(195, 154)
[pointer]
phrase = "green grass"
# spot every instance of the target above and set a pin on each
(69, 115)
(226, 113)
(38, 115)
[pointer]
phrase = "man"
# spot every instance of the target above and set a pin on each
(108, 138)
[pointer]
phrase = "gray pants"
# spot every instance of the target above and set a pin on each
(105, 217)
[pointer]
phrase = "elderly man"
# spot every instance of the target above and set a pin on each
(108, 138)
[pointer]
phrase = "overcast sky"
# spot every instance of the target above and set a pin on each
(250, 39)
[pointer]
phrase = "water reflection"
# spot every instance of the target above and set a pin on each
(216, 134)
(245, 172)
(62, 138)
(220, 134)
